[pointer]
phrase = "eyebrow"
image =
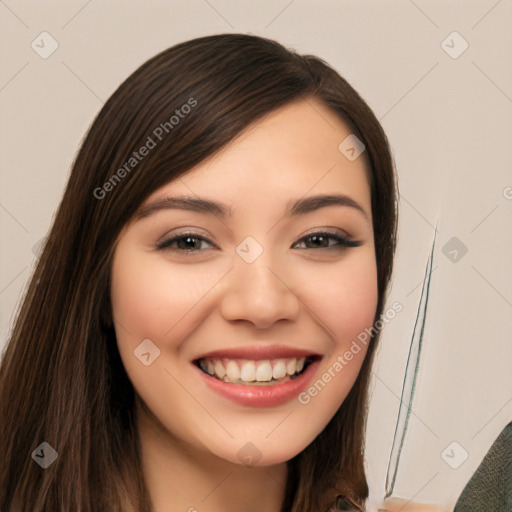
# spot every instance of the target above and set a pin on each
(301, 206)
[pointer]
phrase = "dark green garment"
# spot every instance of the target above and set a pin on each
(490, 487)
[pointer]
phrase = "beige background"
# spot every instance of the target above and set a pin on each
(449, 121)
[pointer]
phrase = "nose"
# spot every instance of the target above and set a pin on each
(258, 293)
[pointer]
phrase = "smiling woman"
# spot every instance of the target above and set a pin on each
(177, 321)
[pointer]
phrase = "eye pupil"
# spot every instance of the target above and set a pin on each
(189, 242)
(318, 240)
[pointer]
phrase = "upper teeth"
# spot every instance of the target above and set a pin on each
(233, 370)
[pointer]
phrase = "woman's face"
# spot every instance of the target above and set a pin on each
(264, 281)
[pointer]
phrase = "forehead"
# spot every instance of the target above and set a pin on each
(292, 152)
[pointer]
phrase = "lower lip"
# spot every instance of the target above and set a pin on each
(264, 395)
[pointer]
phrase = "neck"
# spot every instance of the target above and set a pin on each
(183, 478)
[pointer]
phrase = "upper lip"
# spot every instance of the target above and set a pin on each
(256, 352)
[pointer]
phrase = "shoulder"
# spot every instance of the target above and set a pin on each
(491, 484)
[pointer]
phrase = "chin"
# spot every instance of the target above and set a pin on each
(260, 453)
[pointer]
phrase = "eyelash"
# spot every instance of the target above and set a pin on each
(342, 242)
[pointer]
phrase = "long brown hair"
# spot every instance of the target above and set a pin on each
(61, 378)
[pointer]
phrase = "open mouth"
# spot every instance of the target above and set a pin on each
(261, 372)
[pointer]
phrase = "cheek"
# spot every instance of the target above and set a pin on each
(344, 302)
(344, 297)
(149, 300)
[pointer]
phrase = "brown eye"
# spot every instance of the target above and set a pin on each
(186, 242)
(322, 240)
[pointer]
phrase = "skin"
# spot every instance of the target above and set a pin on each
(294, 294)
(401, 505)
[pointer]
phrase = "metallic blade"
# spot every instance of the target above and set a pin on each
(411, 372)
